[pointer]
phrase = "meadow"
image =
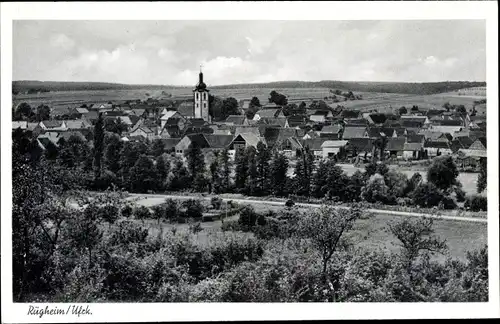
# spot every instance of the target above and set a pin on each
(461, 236)
(382, 102)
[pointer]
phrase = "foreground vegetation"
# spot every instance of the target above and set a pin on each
(97, 250)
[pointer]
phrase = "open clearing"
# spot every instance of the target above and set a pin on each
(370, 233)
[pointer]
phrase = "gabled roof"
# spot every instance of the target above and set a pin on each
(415, 138)
(377, 118)
(219, 141)
(428, 134)
(81, 110)
(334, 143)
(479, 144)
(448, 122)
(335, 129)
(236, 119)
(473, 153)
(414, 118)
(350, 113)
(169, 114)
(279, 121)
(413, 146)
(395, 144)
(360, 144)
(294, 121)
(353, 132)
(196, 122)
(434, 112)
(381, 131)
(52, 123)
(249, 138)
(170, 143)
(436, 144)
(199, 139)
(314, 144)
(186, 109)
(268, 112)
(92, 115)
(356, 122)
(411, 123)
(275, 135)
(77, 124)
(247, 130)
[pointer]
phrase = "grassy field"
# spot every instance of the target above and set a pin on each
(371, 100)
(370, 233)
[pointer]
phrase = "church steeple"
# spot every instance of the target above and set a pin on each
(201, 98)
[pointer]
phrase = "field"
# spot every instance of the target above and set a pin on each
(370, 233)
(371, 100)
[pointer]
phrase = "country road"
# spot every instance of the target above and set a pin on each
(281, 203)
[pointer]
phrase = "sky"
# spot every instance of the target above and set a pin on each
(171, 52)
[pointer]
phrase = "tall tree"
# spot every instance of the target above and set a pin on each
(251, 180)
(278, 98)
(195, 161)
(483, 176)
(112, 152)
(98, 145)
(225, 164)
(241, 169)
(215, 175)
(253, 107)
(143, 175)
(42, 113)
(157, 148)
(263, 166)
(443, 172)
(303, 172)
(162, 169)
(279, 169)
(230, 106)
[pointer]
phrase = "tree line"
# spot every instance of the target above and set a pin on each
(256, 171)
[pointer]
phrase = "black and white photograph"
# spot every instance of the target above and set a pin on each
(246, 161)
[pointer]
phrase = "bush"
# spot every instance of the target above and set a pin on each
(290, 203)
(248, 216)
(127, 211)
(460, 194)
(426, 195)
(447, 203)
(194, 208)
(377, 191)
(142, 212)
(171, 209)
(476, 203)
(216, 202)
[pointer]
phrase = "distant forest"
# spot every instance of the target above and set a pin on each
(389, 87)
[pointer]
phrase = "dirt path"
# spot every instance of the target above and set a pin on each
(307, 205)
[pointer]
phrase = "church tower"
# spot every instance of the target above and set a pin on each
(201, 99)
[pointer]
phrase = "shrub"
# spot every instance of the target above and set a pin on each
(171, 209)
(426, 195)
(142, 212)
(460, 194)
(216, 202)
(194, 208)
(377, 191)
(447, 203)
(476, 203)
(108, 213)
(248, 216)
(128, 232)
(290, 203)
(127, 211)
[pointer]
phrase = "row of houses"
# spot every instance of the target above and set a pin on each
(326, 132)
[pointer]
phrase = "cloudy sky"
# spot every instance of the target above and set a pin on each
(170, 52)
